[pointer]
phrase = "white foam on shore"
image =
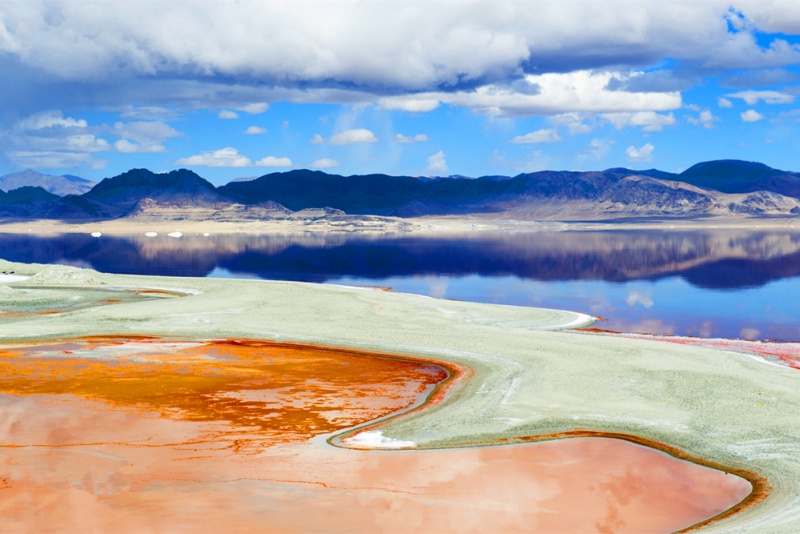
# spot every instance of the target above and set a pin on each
(374, 439)
(6, 278)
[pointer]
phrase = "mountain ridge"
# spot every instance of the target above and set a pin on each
(63, 185)
(721, 187)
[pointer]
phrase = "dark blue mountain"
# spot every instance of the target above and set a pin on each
(182, 187)
(735, 176)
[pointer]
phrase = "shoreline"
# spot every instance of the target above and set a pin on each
(531, 378)
(379, 225)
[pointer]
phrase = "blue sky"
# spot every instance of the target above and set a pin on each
(234, 89)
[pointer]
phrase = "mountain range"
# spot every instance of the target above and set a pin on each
(723, 187)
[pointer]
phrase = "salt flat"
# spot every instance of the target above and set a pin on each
(530, 377)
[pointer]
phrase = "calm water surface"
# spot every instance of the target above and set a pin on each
(733, 284)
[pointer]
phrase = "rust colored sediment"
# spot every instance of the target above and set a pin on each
(234, 385)
(261, 392)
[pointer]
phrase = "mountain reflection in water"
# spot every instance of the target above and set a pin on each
(733, 283)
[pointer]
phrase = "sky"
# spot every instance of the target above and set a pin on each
(243, 88)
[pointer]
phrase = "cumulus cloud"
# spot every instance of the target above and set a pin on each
(51, 140)
(557, 93)
(643, 154)
(453, 42)
(147, 136)
(50, 119)
(419, 138)
(724, 103)
(409, 103)
(228, 114)
(255, 109)
(539, 136)
(650, 121)
(437, 164)
(272, 161)
(349, 137)
(324, 163)
(255, 130)
(751, 115)
(752, 98)
(224, 157)
(576, 123)
(706, 119)
(125, 146)
(505, 58)
(317, 139)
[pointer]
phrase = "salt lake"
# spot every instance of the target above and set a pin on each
(714, 283)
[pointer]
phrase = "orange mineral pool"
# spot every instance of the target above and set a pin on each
(149, 435)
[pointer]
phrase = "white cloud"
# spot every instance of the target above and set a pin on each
(255, 109)
(706, 119)
(228, 114)
(559, 93)
(437, 164)
(643, 154)
(650, 121)
(224, 157)
(271, 161)
(147, 135)
(125, 146)
(324, 163)
(751, 115)
(724, 103)
(596, 150)
(50, 119)
(773, 16)
(453, 42)
(752, 98)
(50, 140)
(419, 138)
(409, 103)
(348, 137)
(539, 136)
(255, 130)
(576, 123)
(146, 112)
(317, 139)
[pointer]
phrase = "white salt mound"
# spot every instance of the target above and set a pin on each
(96, 234)
(65, 275)
(374, 439)
(175, 234)
(8, 278)
(151, 234)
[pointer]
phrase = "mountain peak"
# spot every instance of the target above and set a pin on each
(57, 185)
(729, 175)
(179, 187)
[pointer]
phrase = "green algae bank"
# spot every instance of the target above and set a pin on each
(529, 377)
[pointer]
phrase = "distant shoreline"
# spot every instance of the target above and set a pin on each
(384, 225)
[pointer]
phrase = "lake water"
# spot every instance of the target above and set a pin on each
(731, 284)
